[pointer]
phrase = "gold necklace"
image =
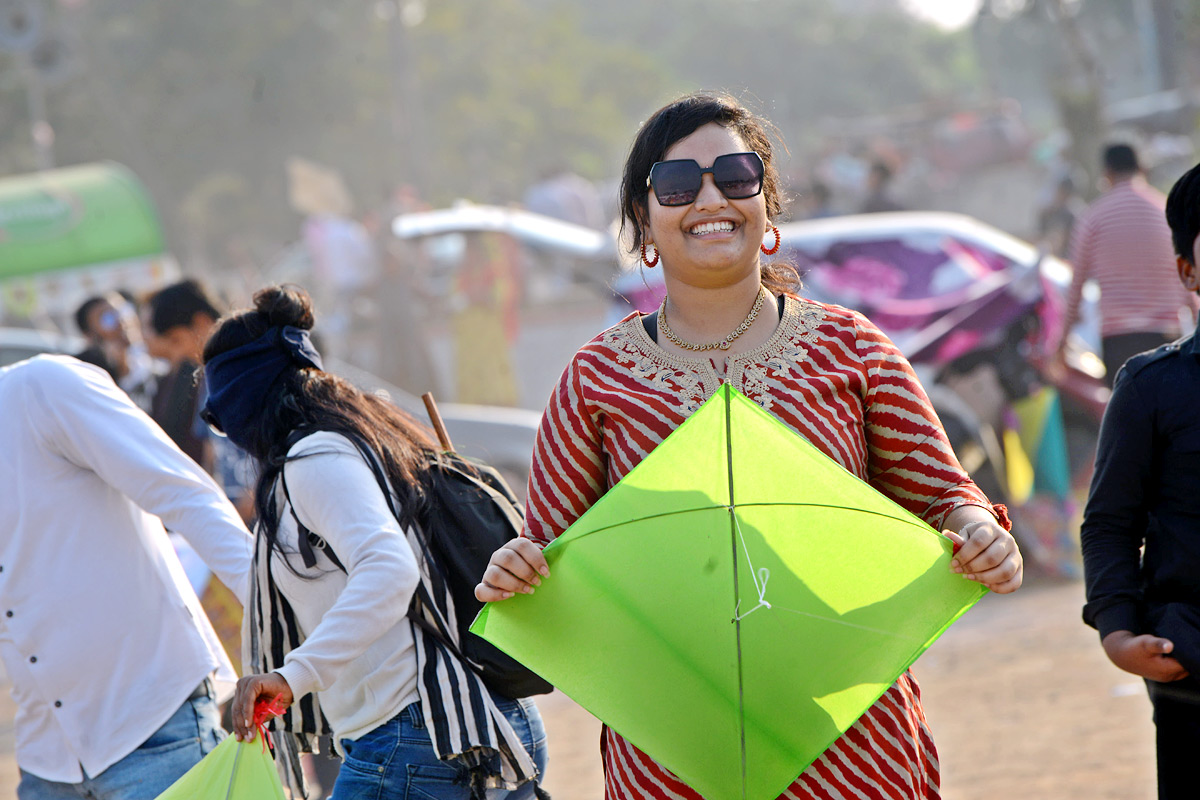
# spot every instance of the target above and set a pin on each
(724, 343)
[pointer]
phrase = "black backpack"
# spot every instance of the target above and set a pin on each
(471, 513)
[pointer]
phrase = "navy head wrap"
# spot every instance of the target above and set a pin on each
(239, 379)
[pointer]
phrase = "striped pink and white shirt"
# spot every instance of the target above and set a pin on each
(835, 379)
(1124, 245)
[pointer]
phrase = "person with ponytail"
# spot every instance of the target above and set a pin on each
(343, 623)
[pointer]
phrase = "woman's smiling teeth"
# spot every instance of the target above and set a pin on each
(725, 226)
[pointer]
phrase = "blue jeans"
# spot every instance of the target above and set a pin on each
(396, 761)
(189, 735)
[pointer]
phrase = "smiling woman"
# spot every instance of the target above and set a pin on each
(693, 194)
(706, 238)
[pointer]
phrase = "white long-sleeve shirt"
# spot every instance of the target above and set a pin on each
(100, 632)
(358, 653)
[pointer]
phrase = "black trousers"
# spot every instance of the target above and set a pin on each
(1177, 725)
(1116, 350)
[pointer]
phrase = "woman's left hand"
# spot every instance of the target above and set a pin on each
(987, 554)
(249, 690)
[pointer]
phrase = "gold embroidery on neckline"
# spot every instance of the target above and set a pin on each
(692, 377)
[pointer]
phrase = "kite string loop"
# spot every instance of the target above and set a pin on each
(760, 576)
(760, 584)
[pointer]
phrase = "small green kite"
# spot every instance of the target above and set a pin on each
(734, 603)
(232, 771)
(235, 770)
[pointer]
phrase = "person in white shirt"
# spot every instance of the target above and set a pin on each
(337, 564)
(111, 658)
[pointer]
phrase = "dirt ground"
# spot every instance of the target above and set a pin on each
(1019, 694)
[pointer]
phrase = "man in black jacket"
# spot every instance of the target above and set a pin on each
(1146, 493)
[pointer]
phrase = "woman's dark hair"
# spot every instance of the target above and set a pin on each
(1183, 213)
(309, 398)
(680, 119)
(179, 303)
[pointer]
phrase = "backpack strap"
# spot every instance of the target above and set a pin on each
(307, 542)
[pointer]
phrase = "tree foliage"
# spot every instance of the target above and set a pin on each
(207, 101)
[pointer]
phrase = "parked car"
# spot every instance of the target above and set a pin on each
(976, 311)
(18, 344)
(555, 258)
(910, 270)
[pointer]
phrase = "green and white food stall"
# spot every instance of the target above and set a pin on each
(68, 234)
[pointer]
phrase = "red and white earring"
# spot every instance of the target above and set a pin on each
(651, 263)
(778, 241)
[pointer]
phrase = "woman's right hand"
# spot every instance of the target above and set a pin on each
(250, 690)
(513, 568)
(1144, 655)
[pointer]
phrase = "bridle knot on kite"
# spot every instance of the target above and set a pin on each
(760, 576)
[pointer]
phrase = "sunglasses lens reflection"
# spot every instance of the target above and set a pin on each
(676, 183)
(738, 176)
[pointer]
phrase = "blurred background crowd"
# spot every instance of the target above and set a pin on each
(442, 175)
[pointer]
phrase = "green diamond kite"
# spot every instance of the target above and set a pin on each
(734, 603)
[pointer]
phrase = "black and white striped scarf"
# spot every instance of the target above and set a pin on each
(463, 720)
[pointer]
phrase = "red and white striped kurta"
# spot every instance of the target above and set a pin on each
(835, 379)
(1124, 245)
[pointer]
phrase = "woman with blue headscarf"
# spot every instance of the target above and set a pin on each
(343, 619)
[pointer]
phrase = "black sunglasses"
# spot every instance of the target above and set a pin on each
(676, 183)
(109, 320)
(210, 419)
